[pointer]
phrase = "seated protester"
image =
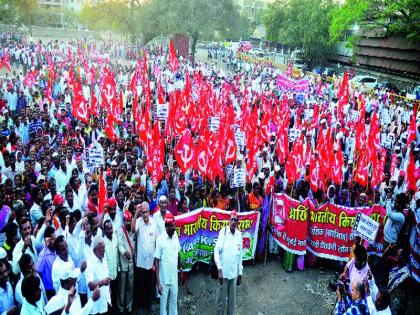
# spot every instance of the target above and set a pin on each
(7, 300)
(357, 269)
(67, 301)
(31, 290)
(46, 260)
(354, 306)
(377, 300)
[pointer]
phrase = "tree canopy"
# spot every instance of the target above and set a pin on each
(397, 17)
(301, 24)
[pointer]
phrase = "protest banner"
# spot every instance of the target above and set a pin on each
(94, 158)
(365, 227)
(330, 230)
(285, 83)
(288, 224)
(198, 232)
(325, 231)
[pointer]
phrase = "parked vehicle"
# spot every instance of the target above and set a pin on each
(388, 85)
(414, 94)
(364, 82)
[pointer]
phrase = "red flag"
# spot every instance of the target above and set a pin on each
(48, 93)
(93, 104)
(361, 175)
(79, 105)
(294, 162)
(6, 62)
(184, 151)
(314, 171)
(161, 97)
(343, 95)
(101, 195)
(29, 79)
(200, 157)
(412, 129)
(108, 90)
(412, 174)
(173, 61)
(121, 102)
(110, 127)
(230, 155)
(282, 147)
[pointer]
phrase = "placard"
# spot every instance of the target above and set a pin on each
(354, 115)
(365, 227)
(94, 158)
(214, 123)
(294, 134)
(162, 111)
(240, 138)
(239, 178)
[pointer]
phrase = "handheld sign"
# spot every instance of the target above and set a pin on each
(365, 227)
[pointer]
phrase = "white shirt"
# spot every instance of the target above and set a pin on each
(372, 297)
(111, 255)
(228, 253)
(29, 309)
(59, 301)
(57, 268)
(17, 254)
(159, 221)
(97, 270)
(167, 251)
(146, 235)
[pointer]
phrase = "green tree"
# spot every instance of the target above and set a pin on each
(397, 17)
(301, 24)
(199, 19)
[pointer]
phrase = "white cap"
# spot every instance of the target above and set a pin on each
(239, 157)
(55, 154)
(261, 175)
(3, 253)
(163, 198)
(114, 163)
(276, 168)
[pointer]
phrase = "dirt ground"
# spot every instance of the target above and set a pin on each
(265, 290)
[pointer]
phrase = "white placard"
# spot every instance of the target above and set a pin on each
(239, 178)
(214, 123)
(294, 134)
(240, 138)
(94, 158)
(162, 110)
(365, 227)
(354, 115)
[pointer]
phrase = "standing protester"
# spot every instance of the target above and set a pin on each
(228, 258)
(146, 231)
(167, 264)
(126, 251)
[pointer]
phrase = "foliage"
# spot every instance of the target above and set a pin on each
(199, 19)
(397, 17)
(302, 24)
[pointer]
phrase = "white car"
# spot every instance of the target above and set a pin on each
(364, 83)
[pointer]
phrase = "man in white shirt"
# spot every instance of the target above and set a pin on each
(97, 275)
(111, 254)
(31, 291)
(167, 264)
(146, 234)
(377, 300)
(160, 215)
(67, 298)
(228, 258)
(126, 241)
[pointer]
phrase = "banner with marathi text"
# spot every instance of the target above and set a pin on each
(288, 224)
(325, 231)
(198, 232)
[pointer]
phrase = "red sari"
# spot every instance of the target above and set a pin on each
(254, 201)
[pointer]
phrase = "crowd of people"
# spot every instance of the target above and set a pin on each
(92, 239)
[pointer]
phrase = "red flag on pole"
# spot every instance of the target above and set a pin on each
(173, 61)
(101, 195)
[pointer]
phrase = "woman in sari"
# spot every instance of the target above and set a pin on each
(255, 199)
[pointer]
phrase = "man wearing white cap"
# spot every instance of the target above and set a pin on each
(160, 215)
(67, 298)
